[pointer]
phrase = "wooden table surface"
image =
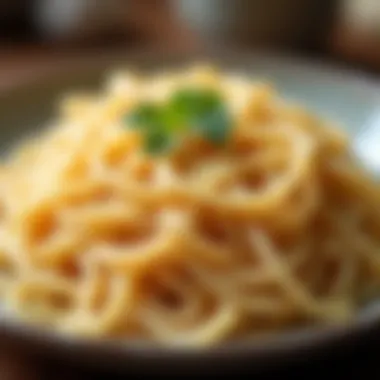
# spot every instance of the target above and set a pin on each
(16, 65)
(24, 62)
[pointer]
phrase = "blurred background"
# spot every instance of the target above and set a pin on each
(35, 33)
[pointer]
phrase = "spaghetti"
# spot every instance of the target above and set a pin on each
(280, 227)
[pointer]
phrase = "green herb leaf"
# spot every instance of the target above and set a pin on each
(205, 112)
(215, 126)
(144, 116)
(157, 141)
(173, 121)
(191, 102)
(188, 110)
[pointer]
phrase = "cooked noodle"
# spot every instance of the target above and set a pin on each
(280, 228)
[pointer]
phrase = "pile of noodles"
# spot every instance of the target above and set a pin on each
(279, 228)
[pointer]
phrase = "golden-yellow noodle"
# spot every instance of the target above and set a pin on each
(279, 228)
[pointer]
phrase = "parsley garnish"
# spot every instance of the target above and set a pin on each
(199, 111)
